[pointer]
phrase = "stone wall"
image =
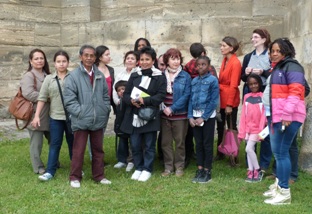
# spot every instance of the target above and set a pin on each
(67, 24)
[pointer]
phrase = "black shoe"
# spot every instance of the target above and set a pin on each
(205, 177)
(198, 174)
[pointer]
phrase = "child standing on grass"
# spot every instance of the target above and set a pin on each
(124, 139)
(252, 122)
(201, 113)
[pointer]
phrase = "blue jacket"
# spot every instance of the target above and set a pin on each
(204, 95)
(181, 92)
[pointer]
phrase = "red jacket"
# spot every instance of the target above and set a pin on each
(229, 80)
(252, 119)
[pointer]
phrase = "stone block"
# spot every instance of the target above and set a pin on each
(123, 32)
(10, 56)
(16, 33)
(95, 14)
(76, 3)
(69, 35)
(145, 12)
(95, 33)
(270, 8)
(76, 14)
(109, 4)
(127, 3)
(39, 14)
(215, 29)
(173, 31)
(8, 12)
(47, 34)
(49, 3)
(114, 14)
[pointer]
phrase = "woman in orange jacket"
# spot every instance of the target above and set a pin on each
(229, 80)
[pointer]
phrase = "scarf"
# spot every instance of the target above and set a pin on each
(145, 82)
(169, 80)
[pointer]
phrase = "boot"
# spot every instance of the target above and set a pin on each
(250, 176)
(282, 197)
(272, 189)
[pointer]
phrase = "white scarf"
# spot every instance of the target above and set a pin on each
(169, 80)
(145, 81)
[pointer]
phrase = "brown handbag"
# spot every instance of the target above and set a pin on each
(21, 108)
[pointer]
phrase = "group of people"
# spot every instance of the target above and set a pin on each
(159, 95)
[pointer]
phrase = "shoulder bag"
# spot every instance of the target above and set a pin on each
(21, 108)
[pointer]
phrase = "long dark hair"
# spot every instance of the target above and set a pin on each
(46, 64)
(61, 53)
(286, 47)
(99, 50)
(136, 44)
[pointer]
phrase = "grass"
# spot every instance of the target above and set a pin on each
(22, 192)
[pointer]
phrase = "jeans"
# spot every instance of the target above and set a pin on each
(123, 149)
(143, 155)
(204, 138)
(265, 153)
(57, 129)
(294, 154)
(280, 144)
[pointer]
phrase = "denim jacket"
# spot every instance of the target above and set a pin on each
(204, 95)
(181, 92)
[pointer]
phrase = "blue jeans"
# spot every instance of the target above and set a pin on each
(265, 153)
(280, 143)
(143, 155)
(57, 129)
(123, 149)
(294, 154)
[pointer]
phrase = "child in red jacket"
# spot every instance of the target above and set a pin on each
(252, 122)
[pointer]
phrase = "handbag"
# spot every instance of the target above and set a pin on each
(230, 143)
(68, 121)
(21, 108)
(147, 113)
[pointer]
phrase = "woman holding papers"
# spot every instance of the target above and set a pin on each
(145, 88)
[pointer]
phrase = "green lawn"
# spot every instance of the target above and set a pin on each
(22, 192)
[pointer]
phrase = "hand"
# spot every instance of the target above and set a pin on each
(199, 121)
(228, 110)
(257, 71)
(192, 122)
(286, 123)
(248, 70)
(167, 111)
(36, 122)
(136, 102)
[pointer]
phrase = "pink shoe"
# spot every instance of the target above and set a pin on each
(250, 175)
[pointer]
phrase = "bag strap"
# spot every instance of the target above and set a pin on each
(61, 94)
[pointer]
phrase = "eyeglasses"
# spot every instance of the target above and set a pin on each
(255, 37)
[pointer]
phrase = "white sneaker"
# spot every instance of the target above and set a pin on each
(105, 181)
(129, 167)
(136, 175)
(272, 189)
(75, 184)
(145, 175)
(45, 177)
(282, 197)
(119, 165)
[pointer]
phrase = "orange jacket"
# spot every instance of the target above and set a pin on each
(229, 80)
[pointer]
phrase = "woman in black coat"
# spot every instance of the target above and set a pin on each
(147, 87)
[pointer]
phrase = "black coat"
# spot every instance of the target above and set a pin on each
(157, 91)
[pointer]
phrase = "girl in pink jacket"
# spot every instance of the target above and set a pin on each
(252, 122)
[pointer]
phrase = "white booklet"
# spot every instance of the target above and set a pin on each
(264, 133)
(136, 93)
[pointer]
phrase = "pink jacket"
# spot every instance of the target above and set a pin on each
(252, 119)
